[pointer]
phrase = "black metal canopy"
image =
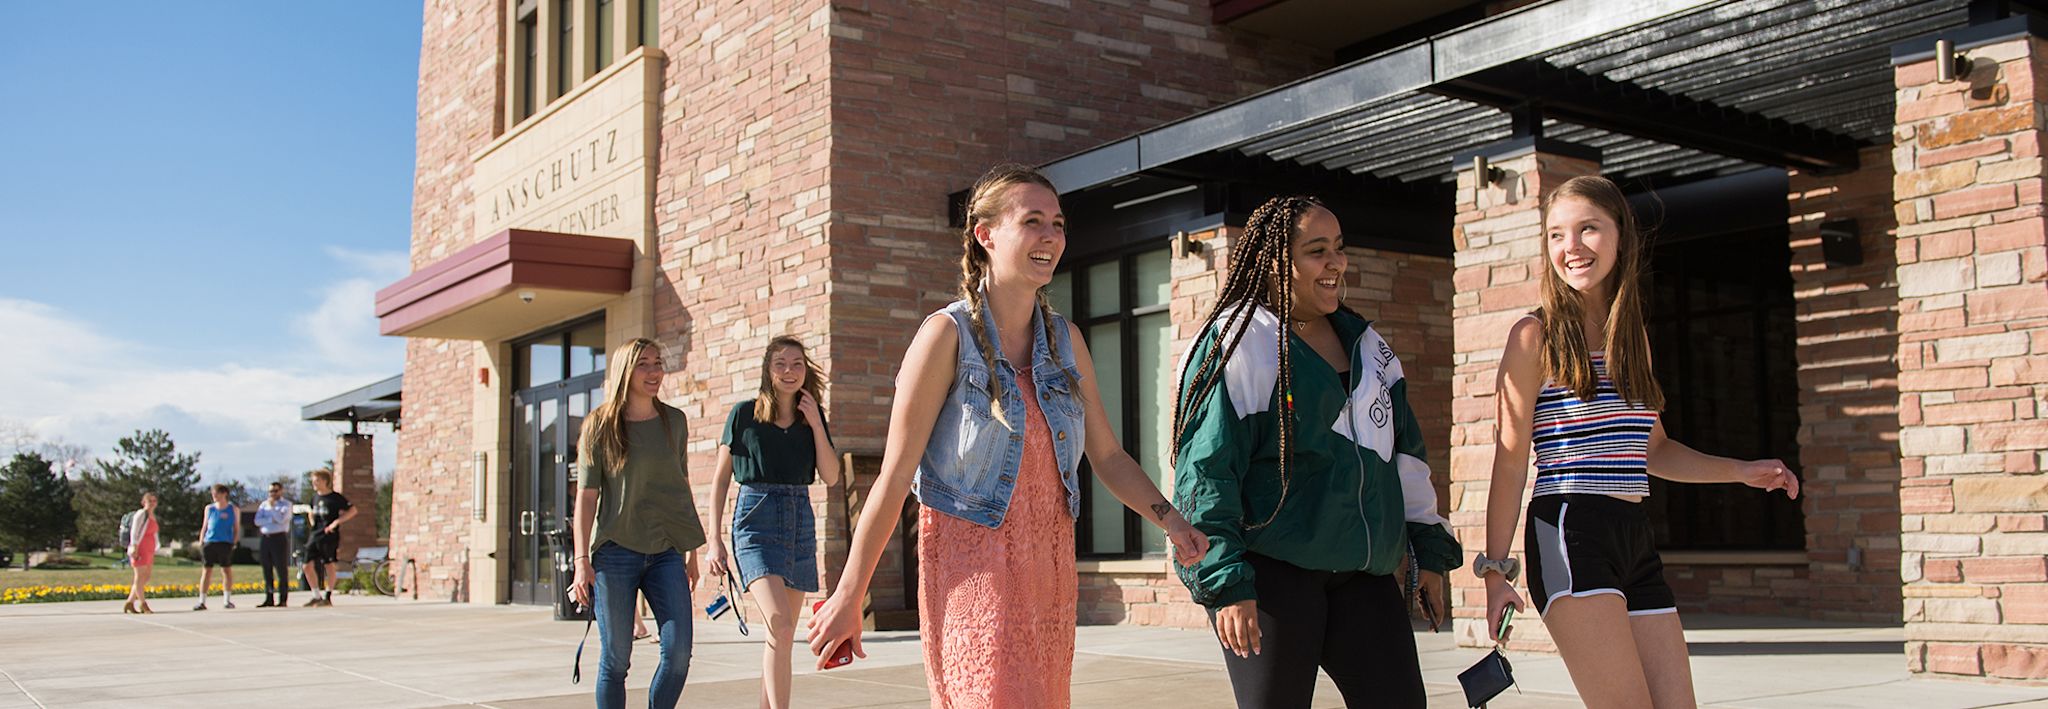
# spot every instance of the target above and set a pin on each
(375, 403)
(1667, 90)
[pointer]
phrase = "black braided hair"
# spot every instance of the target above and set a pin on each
(1261, 273)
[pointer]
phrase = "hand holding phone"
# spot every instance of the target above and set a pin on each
(841, 654)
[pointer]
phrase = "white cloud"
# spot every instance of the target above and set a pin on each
(63, 378)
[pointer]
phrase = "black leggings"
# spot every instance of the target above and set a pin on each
(1352, 624)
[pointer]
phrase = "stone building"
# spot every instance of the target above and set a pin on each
(1851, 270)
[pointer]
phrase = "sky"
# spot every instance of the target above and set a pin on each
(198, 202)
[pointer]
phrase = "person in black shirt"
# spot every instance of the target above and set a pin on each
(775, 445)
(323, 541)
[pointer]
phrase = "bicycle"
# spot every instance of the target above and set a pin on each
(372, 570)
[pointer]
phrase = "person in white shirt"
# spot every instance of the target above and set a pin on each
(274, 520)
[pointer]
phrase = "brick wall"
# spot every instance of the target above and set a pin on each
(458, 115)
(1847, 324)
(1498, 236)
(355, 477)
(1973, 364)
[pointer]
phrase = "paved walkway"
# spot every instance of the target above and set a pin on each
(368, 652)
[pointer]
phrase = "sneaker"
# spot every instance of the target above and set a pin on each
(230, 605)
(315, 603)
(200, 607)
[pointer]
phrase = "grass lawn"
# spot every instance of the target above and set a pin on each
(103, 571)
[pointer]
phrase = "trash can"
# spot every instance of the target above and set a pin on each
(565, 574)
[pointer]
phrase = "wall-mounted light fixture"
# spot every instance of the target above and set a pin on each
(1949, 64)
(480, 479)
(1484, 173)
(1185, 245)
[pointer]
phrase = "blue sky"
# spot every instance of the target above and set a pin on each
(197, 202)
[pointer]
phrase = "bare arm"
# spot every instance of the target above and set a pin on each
(921, 385)
(827, 456)
(721, 482)
(1120, 473)
(1671, 460)
(1516, 387)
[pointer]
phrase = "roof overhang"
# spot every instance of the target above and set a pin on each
(375, 403)
(507, 284)
(1667, 91)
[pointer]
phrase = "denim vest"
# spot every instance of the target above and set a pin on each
(970, 463)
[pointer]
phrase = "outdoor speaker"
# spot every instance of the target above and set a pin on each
(1839, 243)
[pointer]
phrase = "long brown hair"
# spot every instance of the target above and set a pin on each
(986, 205)
(768, 406)
(1567, 359)
(604, 431)
(1262, 273)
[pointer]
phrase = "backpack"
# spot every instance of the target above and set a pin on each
(127, 533)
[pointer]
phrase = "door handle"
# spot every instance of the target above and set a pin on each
(526, 522)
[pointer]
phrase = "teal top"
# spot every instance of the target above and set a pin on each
(767, 453)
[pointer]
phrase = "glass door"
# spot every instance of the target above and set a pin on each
(561, 378)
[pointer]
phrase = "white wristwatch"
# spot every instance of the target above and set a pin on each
(1508, 568)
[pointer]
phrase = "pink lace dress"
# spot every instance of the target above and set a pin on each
(996, 606)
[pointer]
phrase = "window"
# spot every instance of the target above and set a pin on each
(1121, 306)
(528, 52)
(565, 43)
(1722, 337)
(650, 22)
(604, 35)
(558, 355)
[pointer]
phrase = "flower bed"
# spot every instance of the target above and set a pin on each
(105, 592)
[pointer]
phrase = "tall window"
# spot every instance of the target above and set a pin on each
(1121, 306)
(604, 34)
(650, 22)
(565, 42)
(529, 57)
(1721, 334)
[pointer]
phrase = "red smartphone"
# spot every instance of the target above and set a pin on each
(842, 654)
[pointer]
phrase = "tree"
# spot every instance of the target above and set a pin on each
(35, 505)
(145, 462)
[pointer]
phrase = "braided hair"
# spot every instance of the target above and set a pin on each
(1261, 273)
(986, 204)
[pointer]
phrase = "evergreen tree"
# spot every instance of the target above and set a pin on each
(145, 462)
(35, 505)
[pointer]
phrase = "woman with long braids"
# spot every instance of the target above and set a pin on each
(775, 445)
(1575, 385)
(636, 528)
(995, 405)
(1297, 454)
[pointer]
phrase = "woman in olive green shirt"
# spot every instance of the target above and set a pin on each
(635, 490)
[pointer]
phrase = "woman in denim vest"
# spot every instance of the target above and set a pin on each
(996, 403)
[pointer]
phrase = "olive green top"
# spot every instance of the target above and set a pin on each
(646, 505)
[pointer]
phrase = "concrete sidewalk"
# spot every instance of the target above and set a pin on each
(389, 653)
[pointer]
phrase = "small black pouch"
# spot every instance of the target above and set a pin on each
(1486, 679)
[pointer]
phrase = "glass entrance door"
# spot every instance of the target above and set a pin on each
(561, 378)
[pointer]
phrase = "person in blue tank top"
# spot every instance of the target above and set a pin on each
(220, 529)
(1575, 388)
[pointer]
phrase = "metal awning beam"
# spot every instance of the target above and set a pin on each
(1577, 97)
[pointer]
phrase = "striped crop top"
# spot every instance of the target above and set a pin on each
(1598, 447)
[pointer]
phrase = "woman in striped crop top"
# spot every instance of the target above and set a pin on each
(1575, 386)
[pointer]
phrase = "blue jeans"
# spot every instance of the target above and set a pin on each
(621, 575)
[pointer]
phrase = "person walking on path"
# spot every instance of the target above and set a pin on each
(1576, 389)
(996, 402)
(775, 445)
(220, 531)
(141, 541)
(274, 522)
(636, 527)
(331, 509)
(1297, 453)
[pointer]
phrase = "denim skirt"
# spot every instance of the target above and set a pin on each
(774, 533)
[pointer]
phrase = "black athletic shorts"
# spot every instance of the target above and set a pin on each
(218, 553)
(1586, 545)
(323, 549)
